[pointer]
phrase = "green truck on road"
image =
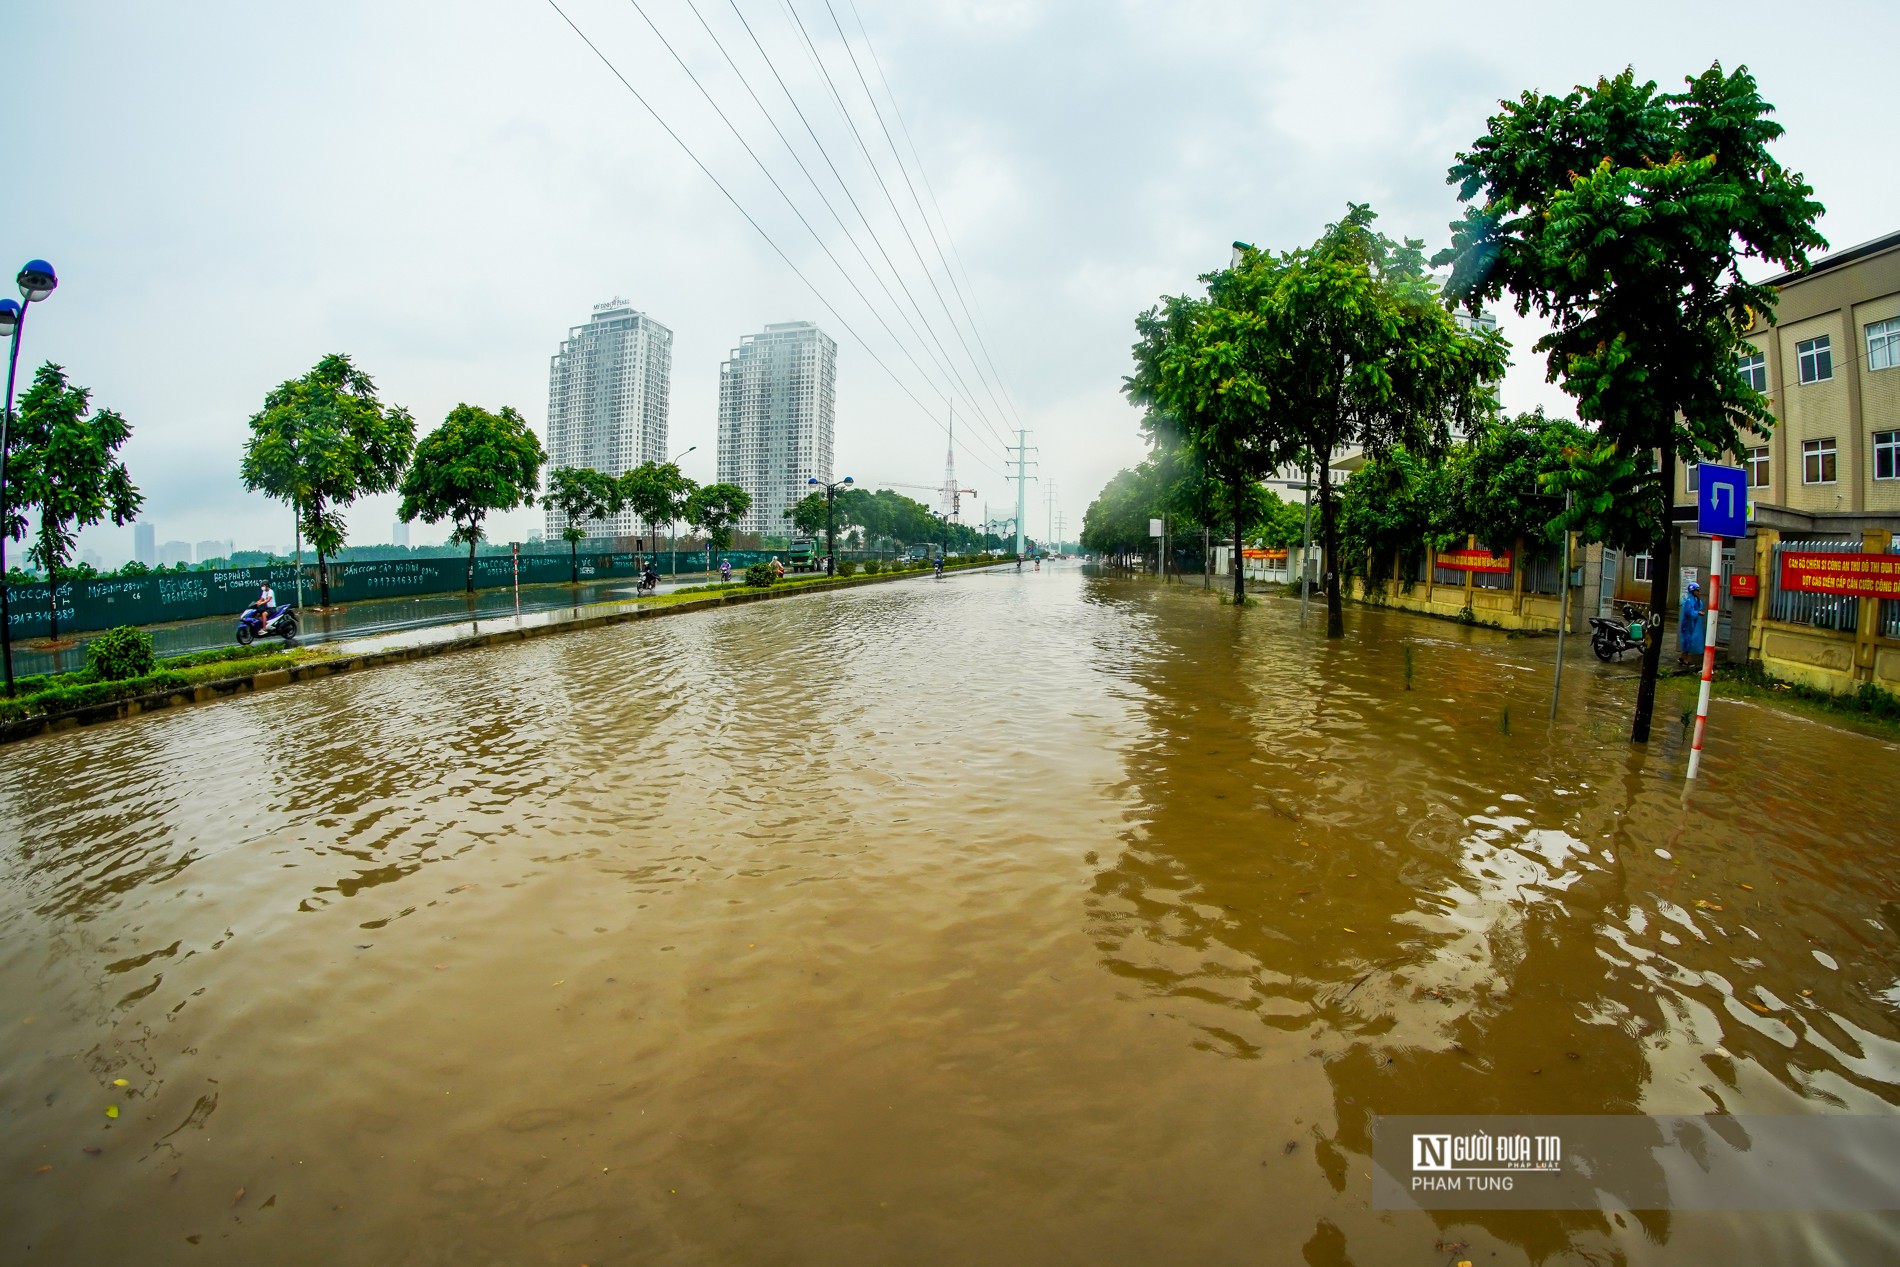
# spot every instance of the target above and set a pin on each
(804, 556)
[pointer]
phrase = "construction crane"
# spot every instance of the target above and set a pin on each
(956, 506)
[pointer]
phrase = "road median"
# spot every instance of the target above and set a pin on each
(177, 694)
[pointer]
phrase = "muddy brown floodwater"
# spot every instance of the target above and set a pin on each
(1040, 918)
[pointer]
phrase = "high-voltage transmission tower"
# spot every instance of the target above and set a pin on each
(1022, 463)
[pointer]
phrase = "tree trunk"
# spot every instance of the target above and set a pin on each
(52, 592)
(1329, 547)
(1660, 560)
(1240, 570)
(323, 573)
(574, 561)
(471, 563)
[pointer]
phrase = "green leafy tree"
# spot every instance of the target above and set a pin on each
(64, 471)
(808, 514)
(657, 492)
(1501, 485)
(581, 494)
(714, 508)
(1621, 215)
(322, 441)
(1349, 344)
(1394, 505)
(1210, 407)
(475, 463)
(1282, 523)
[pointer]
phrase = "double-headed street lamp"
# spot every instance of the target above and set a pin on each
(831, 536)
(37, 281)
(672, 547)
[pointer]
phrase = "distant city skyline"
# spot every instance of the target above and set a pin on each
(777, 415)
(609, 391)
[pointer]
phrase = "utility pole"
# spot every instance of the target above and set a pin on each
(1022, 464)
(1049, 529)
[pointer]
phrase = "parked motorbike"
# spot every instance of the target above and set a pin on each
(281, 624)
(1610, 638)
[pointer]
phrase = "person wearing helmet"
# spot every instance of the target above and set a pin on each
(1689, 626)
(265, 604)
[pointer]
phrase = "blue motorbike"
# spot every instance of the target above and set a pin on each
(252, 625)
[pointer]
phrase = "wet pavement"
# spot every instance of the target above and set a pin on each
(1009, 918)
(353, 620)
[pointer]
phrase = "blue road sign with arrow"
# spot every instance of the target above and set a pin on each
(1723, 508)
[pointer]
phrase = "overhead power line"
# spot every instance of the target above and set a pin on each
(981, 317)
(740, 208)
(904, 171)
(924, 337)
(876, 172)
(764, 170)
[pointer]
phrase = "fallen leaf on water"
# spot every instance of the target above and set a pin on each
(441, 967)
(42, 1170)
(239, 1197)
(1301, 892)
(92, 1151)
(112, 1110)
(1749, 887)
(1706, 905)
(1759, 1008)
(120, 1082)
(269, 1201)
(1808, 992)
(1350, 930)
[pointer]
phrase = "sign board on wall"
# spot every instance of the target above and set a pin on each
(1154, 527)
(1474, 560)
(1744, 585)
(1856, 575)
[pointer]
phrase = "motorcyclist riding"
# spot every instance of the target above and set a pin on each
(265, 604)
(725, 570)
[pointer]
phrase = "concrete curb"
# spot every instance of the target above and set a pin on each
(265, 679)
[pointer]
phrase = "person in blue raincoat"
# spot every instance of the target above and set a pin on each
(1689, 623)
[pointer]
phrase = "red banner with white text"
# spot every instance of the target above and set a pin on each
(1475, 560)
(1855, 575)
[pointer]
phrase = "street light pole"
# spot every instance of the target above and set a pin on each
(37, 280)
(831, 535)
(671, 547)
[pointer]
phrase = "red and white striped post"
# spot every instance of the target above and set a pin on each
(1708, 654)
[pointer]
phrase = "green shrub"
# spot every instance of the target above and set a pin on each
(125, 652)
(872, 567)
(847, 568)
(759, 575)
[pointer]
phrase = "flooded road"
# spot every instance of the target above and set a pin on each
(1038, 918)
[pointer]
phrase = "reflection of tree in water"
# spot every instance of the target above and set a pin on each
(1319, 869)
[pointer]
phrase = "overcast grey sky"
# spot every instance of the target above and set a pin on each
(230, 190)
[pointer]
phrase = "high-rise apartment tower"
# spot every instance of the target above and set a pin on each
(775, 419)
(607, 402)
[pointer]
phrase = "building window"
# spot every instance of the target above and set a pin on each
(1817, 360)
(1817, 461)
(1641, 563)
(1757, 467)
(1754, 369)
(1695, 477)
(1887, 455)
(1883, 345)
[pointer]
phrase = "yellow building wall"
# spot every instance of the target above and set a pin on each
(1879, 399)
(1815, 411)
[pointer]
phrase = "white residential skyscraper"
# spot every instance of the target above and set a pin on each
(775, 419)
(607, 402)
